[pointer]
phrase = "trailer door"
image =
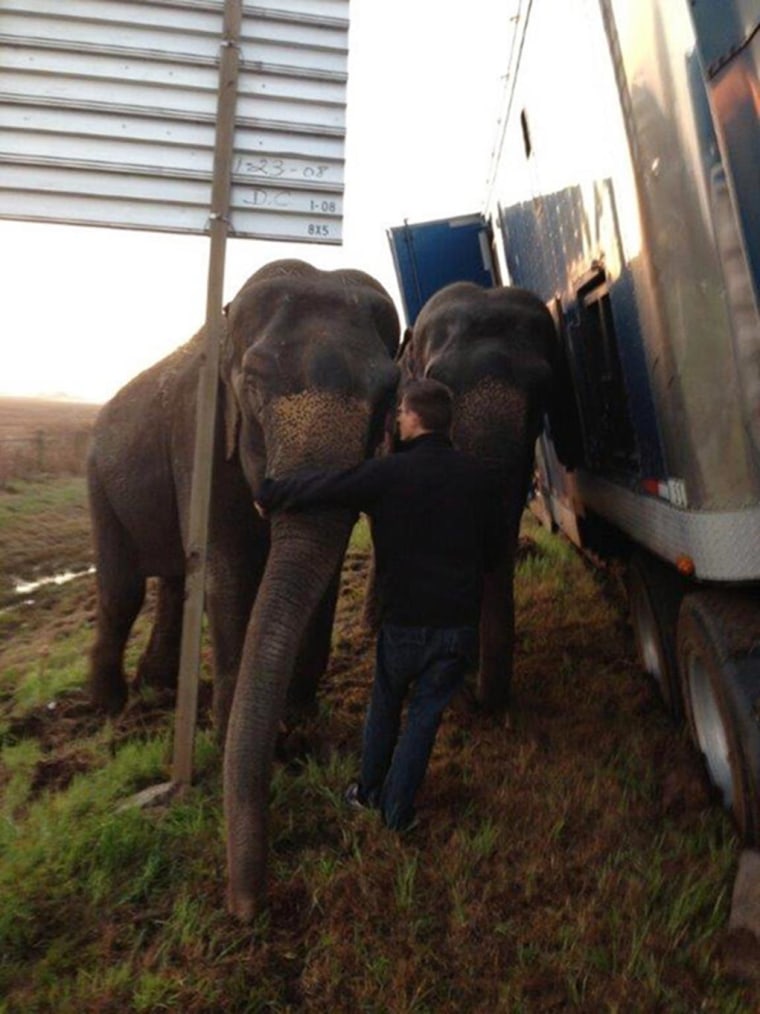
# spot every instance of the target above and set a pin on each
(429, 255)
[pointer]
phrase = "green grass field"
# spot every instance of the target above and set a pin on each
(575, 861)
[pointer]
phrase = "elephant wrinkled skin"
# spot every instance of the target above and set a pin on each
(496, 349)
(307, 380)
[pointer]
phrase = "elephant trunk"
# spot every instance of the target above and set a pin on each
(306, 551)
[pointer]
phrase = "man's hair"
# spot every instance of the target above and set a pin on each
(432, 401)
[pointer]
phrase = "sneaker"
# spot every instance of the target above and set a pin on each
(353, 796)
(412, 825)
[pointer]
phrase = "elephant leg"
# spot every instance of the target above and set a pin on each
(314, 653)
(229, 602)
(497, 615)
(227, 632)
(497, 639)
(121, 592)
(238, 549)
(497, 623)
(159, 663)
(371, 611)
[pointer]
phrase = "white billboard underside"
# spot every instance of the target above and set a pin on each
(108, 111)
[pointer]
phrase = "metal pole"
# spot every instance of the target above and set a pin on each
(195, 572)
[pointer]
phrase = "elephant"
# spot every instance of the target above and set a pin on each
(496, 349)
(307, 379)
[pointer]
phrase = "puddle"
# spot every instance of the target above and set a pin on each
(27, 587)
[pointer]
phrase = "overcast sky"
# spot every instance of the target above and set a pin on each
(84, 309)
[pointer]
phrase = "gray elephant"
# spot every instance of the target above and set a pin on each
(307, 379)
(496, 349)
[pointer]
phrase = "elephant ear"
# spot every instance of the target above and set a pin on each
(387, 323)
(230, 403)
(231, 420)
(382, 307)
(405, 356)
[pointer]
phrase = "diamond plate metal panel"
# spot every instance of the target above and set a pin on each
(724, 545)
(108, 108)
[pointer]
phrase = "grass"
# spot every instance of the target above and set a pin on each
(572, 862)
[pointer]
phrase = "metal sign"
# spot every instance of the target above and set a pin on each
(108, 115)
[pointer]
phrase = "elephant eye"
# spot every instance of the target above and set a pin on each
(250, 389)
(259, 365)
(254, 382)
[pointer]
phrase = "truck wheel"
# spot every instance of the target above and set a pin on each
(655, 592)
(720, 675)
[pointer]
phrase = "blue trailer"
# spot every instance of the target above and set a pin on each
(629, 199)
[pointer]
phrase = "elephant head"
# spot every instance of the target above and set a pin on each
(496, 349)
(308, 381)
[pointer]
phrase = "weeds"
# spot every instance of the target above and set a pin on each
(405, 878)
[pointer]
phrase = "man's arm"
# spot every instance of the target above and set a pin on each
(355, 487)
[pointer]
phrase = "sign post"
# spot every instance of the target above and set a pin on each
(208, 381)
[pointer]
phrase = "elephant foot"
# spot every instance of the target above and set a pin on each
(244, 909)
(498, 716)
(156, 673)
(300, 710)
(301, 702)
(494, 700)
(494, 676)
(107, 684)
(109, 697)
(157, 698)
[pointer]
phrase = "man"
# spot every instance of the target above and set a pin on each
(435, 529)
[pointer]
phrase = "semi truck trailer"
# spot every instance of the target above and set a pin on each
(624, 189)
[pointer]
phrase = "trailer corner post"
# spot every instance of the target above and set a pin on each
(208, 379)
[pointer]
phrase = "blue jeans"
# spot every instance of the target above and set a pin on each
(428, 665)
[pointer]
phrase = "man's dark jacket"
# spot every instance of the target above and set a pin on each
(436, 526)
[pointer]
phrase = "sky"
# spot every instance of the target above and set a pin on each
(82, 310)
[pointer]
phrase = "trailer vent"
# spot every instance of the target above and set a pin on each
(609, 435)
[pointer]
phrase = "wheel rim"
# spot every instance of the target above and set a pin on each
(709, 728)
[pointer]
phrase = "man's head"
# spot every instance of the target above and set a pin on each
(426, 407)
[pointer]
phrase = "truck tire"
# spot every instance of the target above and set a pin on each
(655, 592)
(719, 661)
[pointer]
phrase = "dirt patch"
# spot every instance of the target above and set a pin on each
(56, 773)
(56, 723)
(71, 716)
